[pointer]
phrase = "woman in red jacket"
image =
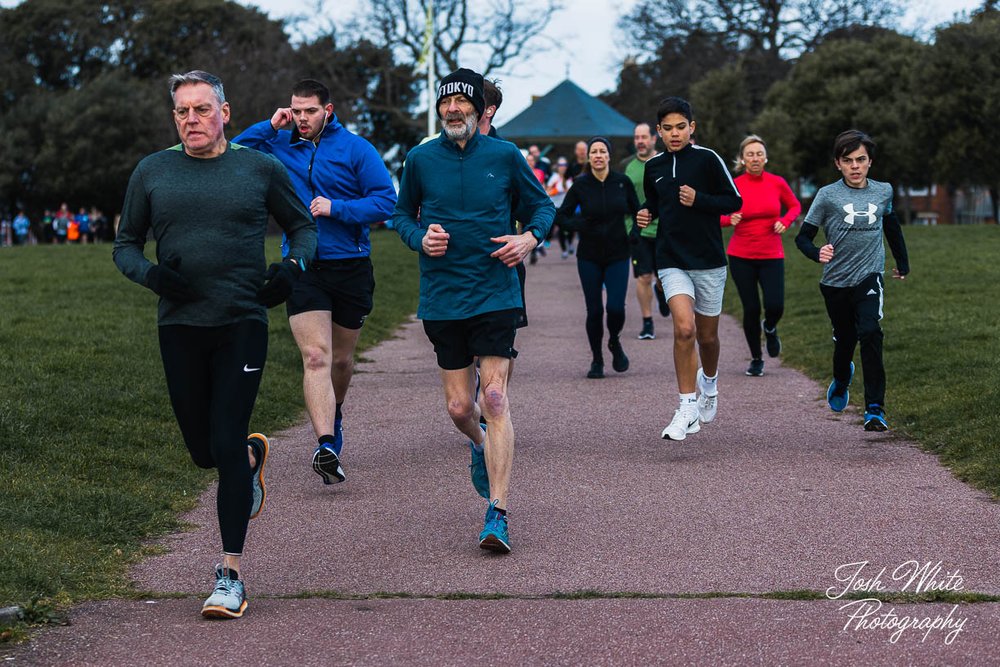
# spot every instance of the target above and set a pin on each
(756, 256)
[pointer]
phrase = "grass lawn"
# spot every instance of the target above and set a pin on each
(941, 348)
(91, 459)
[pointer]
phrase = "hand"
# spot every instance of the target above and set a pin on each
(282, 118)
(166, 281)
(687, 195)
(435, 241)
(897, 275)
(643, 218)
(320, 206)
(735, 218)
(779, 228)
(515, 247)
(279, 280)
(825, 254)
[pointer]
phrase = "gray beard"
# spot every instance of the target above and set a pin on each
(465, 133)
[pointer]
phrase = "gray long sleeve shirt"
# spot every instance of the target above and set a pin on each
(210, 215)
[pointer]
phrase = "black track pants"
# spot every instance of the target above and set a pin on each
(855, 313)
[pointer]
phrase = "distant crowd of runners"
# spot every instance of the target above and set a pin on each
(474, 208)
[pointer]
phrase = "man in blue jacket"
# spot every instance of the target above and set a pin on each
(342, 180)
(454, 209)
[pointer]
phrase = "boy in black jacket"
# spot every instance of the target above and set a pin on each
(688, 187)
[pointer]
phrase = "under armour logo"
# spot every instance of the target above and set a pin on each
(852, 214)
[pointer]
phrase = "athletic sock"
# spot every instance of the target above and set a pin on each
(500, 511)
(340, 414)
(647, 320)
(326, 439)
(710, 383)
(689, 403)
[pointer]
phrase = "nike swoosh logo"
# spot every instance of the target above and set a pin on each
(658, 180)
(247, 369)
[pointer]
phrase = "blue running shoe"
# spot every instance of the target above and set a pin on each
(477, 469)
(875, 418)
(494, 536)
(258, 442)
(228, 599)
(338, 435)
(838, 395)
(326, 463)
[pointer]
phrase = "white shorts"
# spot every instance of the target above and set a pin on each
(704, 286)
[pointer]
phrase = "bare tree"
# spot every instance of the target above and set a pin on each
(498, 33)
(782, 28)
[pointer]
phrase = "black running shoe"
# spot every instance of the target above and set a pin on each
(596, 371)
(619, 361)
(756, 368)
(647, 331)
(772, 341)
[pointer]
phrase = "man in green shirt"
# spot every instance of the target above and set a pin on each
(207, 202)
(644, 247)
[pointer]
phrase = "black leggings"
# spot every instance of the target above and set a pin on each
(855, 313)
(213, 374)
(770, 275)
(595, 278)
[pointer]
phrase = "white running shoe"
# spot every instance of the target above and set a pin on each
(683, 423)
(708, 404)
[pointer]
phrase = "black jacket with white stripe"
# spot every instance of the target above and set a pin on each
(689, 237)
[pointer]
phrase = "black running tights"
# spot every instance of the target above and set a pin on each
(595, 278)
(769, 274)
(213, 374)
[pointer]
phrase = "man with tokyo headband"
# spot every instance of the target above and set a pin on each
(454, 208)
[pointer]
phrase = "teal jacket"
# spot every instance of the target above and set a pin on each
(468, 192)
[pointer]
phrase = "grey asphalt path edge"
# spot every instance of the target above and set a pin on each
(777, 494)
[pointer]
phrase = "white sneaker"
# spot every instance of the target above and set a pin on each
(708, 404)
(681, 425)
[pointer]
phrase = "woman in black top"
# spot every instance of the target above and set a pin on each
(604, 198)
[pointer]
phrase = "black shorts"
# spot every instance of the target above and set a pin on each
(644, 256)
(458, 342)
(344, 287)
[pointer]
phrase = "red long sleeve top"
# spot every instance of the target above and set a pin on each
(764, 197)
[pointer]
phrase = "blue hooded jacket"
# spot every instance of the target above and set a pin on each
(345, 169)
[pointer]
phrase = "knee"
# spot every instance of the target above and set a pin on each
(645, 279)
(707, 339)
(494, 399)
(684, 333)
(342, 364)
(315, 357)
(460, 410)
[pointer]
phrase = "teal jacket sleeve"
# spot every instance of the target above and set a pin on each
(405, 216)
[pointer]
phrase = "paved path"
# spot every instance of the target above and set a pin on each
(626, 547)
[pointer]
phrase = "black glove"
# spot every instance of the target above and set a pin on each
(165, 280)
(279, 280)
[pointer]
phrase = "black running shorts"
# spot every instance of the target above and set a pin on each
(644, 256)
(344, 287)
(458, 342)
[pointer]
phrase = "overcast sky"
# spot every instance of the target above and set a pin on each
(591, 48)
